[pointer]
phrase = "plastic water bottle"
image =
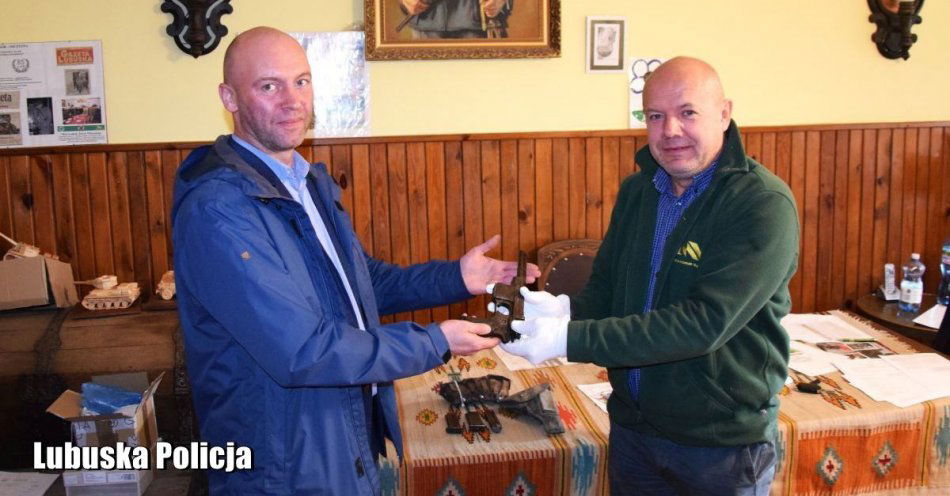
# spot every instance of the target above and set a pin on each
(912, 285)
(943, 291)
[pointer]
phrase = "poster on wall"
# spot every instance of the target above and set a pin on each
(340, 84)
(640, 68)
(51, 94)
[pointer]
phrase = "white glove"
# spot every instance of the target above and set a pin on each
(540, 304)
(542, 338)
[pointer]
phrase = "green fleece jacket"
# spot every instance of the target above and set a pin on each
(713, 354)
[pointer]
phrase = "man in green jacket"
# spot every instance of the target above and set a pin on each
(684, 302)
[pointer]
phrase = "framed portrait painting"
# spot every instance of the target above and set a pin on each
(462, 29)
(605, 43)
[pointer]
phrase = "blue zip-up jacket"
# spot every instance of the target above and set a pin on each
(275, 357)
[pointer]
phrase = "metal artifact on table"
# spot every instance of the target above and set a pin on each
(507, 305)
(538, 402)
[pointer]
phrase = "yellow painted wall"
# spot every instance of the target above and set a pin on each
(788, 62)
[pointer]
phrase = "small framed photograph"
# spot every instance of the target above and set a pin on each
(605, 43)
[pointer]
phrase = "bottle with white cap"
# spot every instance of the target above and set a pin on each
(912, 285)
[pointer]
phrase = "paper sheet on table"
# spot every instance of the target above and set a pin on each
(932, 317)
(815, 328)
(903, 380)
(25, 483)
(514, 362)
(598, 393)
(812, 361)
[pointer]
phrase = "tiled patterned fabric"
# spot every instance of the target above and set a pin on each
(823, 448)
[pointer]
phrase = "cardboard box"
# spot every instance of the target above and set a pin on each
(31, 281)
(140, 429)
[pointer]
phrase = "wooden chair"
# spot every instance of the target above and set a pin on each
(566, 265)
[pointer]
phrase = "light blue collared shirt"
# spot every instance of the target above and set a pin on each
(295, 180)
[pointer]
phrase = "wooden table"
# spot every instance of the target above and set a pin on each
(888, 314)
(825, 445)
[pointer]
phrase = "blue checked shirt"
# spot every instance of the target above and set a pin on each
(669, 211)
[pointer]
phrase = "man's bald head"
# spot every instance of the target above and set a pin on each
(241, 50)
(267, 88)
(686, 71)
(686, 115)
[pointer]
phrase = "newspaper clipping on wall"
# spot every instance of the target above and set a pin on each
(51, 94)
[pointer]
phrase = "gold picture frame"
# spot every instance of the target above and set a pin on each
(519, 29)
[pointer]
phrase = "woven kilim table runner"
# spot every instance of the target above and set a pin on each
(841, 442)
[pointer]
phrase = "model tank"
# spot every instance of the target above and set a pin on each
(166, 287)
(118, 297)
(19, 250)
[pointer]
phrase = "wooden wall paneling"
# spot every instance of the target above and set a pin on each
(139, 221)
(84, 265)
(560, 189)
(171, 159)
(868, 174)
(362, 190)
(157, 213)
(577, 182)
(454, 211)
(865, 193)
(839, 166)
(398, 209)
(322, 153)
(768, 152)
(895, 203)
(472, 208)
(418, 214)
(783, 158)
(908, 202)
(826, 222)
(610, 158)
(526, 207)
(6, 203)
(41, 188)
(594, 200)
(753, 145)
(101, 216)
(936, 211)
(543, 199)
(436, 206)
(22, 199)
(854, 251)
(509, 200)
(492, 207)
(380, 201)
(811, 200)
(796, 173)
(117, 172)
(882, 183)
(920, 207)
(627, 164)
(62, 207)
(343, 173)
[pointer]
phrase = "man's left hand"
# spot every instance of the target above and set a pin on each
(478, 271)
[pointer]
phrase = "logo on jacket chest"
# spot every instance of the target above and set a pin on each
(688, 254)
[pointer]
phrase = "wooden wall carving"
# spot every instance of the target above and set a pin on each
(866, 194)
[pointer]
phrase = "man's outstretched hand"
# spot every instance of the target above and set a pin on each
(478, 270)
(465, 337)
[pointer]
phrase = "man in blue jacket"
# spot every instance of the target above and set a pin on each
(280, 304)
